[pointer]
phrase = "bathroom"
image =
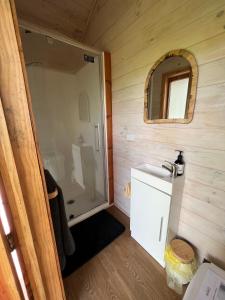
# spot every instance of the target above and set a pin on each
(92, 127)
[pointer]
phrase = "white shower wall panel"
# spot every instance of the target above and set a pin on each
(55, 100)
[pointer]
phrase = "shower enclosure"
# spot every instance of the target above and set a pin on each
(67, 99)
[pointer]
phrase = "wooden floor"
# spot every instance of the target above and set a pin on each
(122, 271)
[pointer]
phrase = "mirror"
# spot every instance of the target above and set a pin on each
(170, 89)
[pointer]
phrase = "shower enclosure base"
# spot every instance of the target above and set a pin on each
(79, 201)
(88, 214)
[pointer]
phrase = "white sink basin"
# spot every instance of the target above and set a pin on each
(155, 171)
(157, 177)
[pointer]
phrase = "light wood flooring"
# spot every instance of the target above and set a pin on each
(121, 271)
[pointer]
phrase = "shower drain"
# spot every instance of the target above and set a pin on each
(71, 217)
(70, 201)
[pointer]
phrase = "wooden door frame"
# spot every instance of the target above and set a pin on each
(9, 286)
(108, 112)
(16, 105)
(12, 194)
(25, 176)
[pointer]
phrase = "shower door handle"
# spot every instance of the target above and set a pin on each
(97, 137)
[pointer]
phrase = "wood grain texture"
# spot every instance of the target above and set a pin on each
(9, 285)
(142, 34)
(67, 17)
(19, 124)
(182, 251)
(123, 271)
(17, 207)
(108, 97)
(5, 203)
(107, 13)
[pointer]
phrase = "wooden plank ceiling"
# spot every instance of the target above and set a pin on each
(69, 17)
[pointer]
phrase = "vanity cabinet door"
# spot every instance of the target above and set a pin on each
(149, 218)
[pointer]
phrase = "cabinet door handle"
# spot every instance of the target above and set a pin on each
(160, 230)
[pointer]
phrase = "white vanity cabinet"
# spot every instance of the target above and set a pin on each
(151, 203)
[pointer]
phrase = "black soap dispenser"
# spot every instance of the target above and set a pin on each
(180, 163)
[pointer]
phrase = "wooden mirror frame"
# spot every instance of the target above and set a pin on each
(193, 88)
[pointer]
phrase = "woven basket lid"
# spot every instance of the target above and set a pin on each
(182, 251)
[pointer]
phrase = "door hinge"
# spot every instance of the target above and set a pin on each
(10, 240)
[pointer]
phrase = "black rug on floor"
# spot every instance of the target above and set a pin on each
(91, 236)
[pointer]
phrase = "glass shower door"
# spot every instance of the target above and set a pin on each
(65, 84)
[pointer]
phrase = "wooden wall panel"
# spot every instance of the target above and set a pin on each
(147, 30)
(18, 119)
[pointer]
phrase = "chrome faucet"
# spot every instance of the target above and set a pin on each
(170, 167)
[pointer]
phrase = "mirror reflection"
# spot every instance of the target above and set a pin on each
(168, 91)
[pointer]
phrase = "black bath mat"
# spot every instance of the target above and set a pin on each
(91, 236)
